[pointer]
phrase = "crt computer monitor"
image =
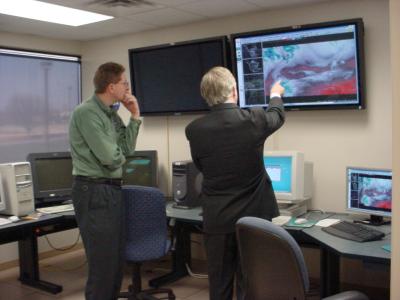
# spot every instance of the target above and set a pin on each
(321, 66)
(141, 169)
(2, 199)
(369, 191)
(291, 177)
(52, 177)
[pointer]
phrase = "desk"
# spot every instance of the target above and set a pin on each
(331, 248)
(186, 221)
(26, 233)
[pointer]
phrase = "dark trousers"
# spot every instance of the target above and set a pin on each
(101, 220)
(223, 264)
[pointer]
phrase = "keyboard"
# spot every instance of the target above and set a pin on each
(56, 209)
(354, 232)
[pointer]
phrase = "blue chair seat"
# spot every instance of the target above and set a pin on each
(147, 236)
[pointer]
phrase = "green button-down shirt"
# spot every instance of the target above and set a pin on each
(99, 140)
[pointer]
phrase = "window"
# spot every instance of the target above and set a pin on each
(38, 94)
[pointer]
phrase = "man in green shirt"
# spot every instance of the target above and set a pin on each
(99, 143)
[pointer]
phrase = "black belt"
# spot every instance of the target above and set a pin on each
(111, 181)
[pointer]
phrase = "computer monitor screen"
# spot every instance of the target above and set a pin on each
(279, 169)
(166, 78)
(290, 175)
(141, 169)
(369, 191)
(52, 177)
(319, 65)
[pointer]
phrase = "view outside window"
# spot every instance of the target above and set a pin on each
(38, 95)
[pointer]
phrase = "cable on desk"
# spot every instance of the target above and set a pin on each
(199, 228)
(315, 210)
(65, 248)
(195, 275)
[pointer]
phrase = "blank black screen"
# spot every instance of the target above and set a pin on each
(166, 79)
(54, 174)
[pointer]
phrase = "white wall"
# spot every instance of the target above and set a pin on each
(330, 139)
(9, 252)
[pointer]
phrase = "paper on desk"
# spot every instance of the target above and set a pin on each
(327, 222)
(4, 221)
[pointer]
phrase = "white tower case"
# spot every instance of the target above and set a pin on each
(18, 188)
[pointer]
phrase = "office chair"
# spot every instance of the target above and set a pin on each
(146, 232)
(273, 265)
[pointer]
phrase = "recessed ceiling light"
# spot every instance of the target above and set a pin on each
(47, 12)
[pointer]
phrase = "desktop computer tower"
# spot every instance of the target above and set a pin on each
(18, 188)
(186, 184)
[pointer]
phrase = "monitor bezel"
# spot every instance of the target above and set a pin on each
(225, 58)
(53, 196)
(360, 210)
(359, 39)
(152, 154)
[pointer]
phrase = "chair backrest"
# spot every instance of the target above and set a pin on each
(146, 223)
(272, 262)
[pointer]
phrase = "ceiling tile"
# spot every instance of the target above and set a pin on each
(166, 17)
(139, 18)
(216, 8)
(116, 27)
(173, 2)
(280, 3)
(116, 11)
(87, 32)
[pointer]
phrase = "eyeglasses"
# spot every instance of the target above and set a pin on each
(125, 83)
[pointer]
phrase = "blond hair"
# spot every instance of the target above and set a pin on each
(216, 85)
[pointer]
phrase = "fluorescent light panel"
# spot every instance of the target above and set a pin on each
(47, 12)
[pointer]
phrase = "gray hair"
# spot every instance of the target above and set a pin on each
(216, 85)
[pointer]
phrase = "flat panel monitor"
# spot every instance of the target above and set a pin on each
(52, 177)
(321, 66)
(291, 177)
(369, 191)
(166, 78)
(141, 169)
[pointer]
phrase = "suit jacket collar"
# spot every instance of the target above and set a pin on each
(222, 106)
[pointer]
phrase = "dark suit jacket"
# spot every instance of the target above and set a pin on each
(227, 146)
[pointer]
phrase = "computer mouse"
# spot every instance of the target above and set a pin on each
(300, 221)
(13, 219)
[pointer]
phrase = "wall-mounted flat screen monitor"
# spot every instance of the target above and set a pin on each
(369, 191)
(166, 78)
(52, 177)
(321, 66)
(141, 168)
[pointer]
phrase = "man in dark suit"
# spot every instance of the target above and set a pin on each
(227, 146)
